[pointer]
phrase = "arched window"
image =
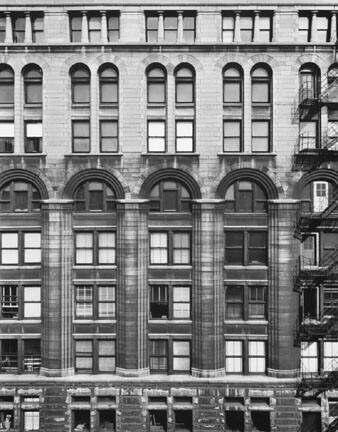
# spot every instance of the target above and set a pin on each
(170, 196)
(332, 74)
(244, 196)
(80, 79)
(185, 83)
(19, 196)
(317, 195)
(156, 85)
(309, 82)
(108, 79)
(232, 85)
(32, 77)
(94, 196)
(260, 85)
(6, 85)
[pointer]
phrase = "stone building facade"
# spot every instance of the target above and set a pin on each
(168, 216)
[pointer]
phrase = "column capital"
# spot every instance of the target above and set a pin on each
(27, 13)
(8, 13)
(160, 12)
(257, 12)
(84, 12)
(314, 12)
(179, 12)
(103, 12)
(237, 13)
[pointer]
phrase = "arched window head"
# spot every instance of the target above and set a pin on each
(185, 83)
(317, 196)
(80, 80)
(6, 85)
(19, 196)
(309, 82)
(94, 196)
(32, 77)
(170, 196)
(108, 79)
(260, 85)
(232, 85)
(244, 196)
(156, 85)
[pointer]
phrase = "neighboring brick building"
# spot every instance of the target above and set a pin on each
(168, 216)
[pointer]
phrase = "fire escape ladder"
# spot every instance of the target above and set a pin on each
(333, 426)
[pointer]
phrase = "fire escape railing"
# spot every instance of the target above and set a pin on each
(316, 383)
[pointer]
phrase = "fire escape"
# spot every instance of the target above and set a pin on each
(311, 149)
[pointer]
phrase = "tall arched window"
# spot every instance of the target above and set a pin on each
(108, 79)
(260, 85)
(32, 77)
(244, 196)
(6, 85)
(80, 80)
(170, 196)
(94, 196)
(19, 196)
(232, 85)
(309, 81)
(156, 85)
(185, 85)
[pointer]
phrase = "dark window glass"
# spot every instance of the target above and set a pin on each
(9, 354)
(18, 196)
(113, 23)
(159, 305)
(6, 85)
(245, 196)
(2, 29)
(108, 78)
(33, 85)
(108, 136)
(19, 29)
(184, 86)
(158, 353)
(152, 28)
(80, 78)
(234, 302)
(37, 29)
(257, 248)
(170, 196)
(94, 196)
(156, 85)
(234, 252)
(76, 28)
(260, 82)
(81, 136)
(232, 85)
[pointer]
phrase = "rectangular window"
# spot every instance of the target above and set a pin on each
(32, 302)
(234, 356)
(109, 136)
(9, 248)
(181, 356)
(6, 137)
(76, 28)
(156, 136)
(260, 136)
(159, 248)
(84, 248)
(257, 248)
(188, 28)
(184, 136)
(2, 29)
(256, 357)
(256, 302)
(159, 303)
(246, 28)
(234, 248)
(181, 248)
(33, 137)
(9, 302)
(83, 356)
(31, 421)
(322, 29)
(309, 251)
(106, 248)
(81, 136)
(158, 352)
(265, 29)
(308, 135)
(234, 301)
(260, 91)
(330, 356)
(9, 354)
(97, 248)
(228, 30)
(170, 28)
(232, 136)
(94, 28)
(113, 23)
(152, 28)
(304, 28)
(84, 301)
(37, 29)
(32, 355)
(106, 301)
(309, 357)
(28, 243)
(106, 356)
(19, 29)
(330, 302)
(181, 302)
(32, 248)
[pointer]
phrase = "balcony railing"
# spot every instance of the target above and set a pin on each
(315, 383)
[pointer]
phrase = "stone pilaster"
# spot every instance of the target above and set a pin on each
(57, 245)
(207, 290)
(132, 291)
(283, 301)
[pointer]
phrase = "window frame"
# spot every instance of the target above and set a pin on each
(160, 200)
(245, 301)
(169, 355)
(83, 80)
(31, 189)
(36, 82)
(184, 137)
(265, 137)
(245, 246)
(37, 31)
(94, 301)
(94, 354)
(185, 80)
(7, 142)
(112, 80)
(156, 81)
(107, 200)
(170, 247)
(75, 33)
(229, 137)
(112, 137)
(169, 302)
(157, 137)
(95, 247)
(21, 261)
(37, 142)
(150, 31)
(7, 82)
(236, 202)
(228, 30)
(111, 30)
(87, 121)
(228, 80)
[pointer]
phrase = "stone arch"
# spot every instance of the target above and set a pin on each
(28, 176)
(320, 174)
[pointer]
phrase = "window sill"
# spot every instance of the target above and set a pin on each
(116, 154)
(169, 321)
(33, 105)
(249, 321)
(94, 267)
(80, 105)
(251, 267)
(24, 154)
(243, 154)
(6, 105)
(170, 266)
(20, 320)
(20, 267)
(164, 154)
(94, 321)
(109, 105)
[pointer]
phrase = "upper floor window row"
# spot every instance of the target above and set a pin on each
(20, 27)
(317, 27)
(94, 27)
(171, 27)
(247, 26)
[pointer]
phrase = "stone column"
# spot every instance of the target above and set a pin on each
(28, 28)
(84, 28)
(57, 261)
(274, 32)
(333, 35)
(237, 29)
(132, 291)
(207, 289)
(283, 301)
(314, 27)
(9, 28)
(180, 26)
(256, 35)
(160, 26)
(104, 27)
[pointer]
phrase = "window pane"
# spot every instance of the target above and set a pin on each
(32, 240)
(156, 92)
(6, 129)
(108, 92)
(232, 92)
(260, 92)
(81, 92)
(184, 92)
